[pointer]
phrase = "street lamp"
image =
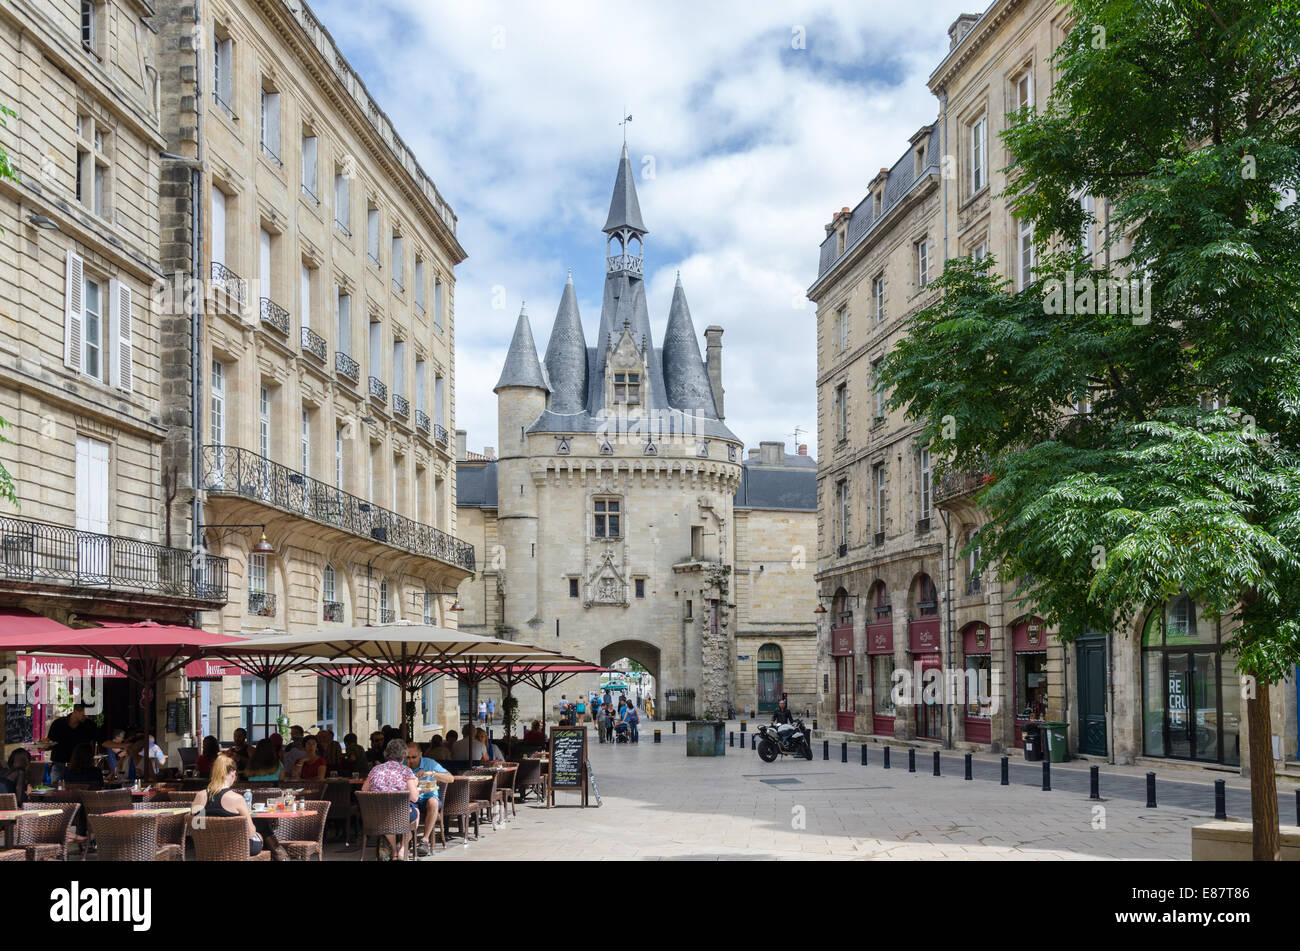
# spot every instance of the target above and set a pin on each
(263, 546)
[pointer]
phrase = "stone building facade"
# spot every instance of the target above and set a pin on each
(81, 381)
(895, 570)
(314, 367)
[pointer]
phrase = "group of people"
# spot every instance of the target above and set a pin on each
(612, 719)
(304, 756)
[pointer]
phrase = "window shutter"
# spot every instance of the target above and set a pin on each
(74, 352)
(122, 348)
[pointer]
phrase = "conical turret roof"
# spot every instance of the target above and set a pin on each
(522, 366)
(624, 209)
(566, 356)
(686, 380)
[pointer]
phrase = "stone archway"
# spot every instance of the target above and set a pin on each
(645, 654)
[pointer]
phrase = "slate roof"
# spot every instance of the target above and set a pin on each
(624, 209)
(790, 487)
(476, 484)
(522, 367)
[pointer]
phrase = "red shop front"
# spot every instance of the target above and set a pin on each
(978, 683)
(842, 651)
(1029, 641)
(880, 658)
(923, 644)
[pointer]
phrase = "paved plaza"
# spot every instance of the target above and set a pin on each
(660, 804)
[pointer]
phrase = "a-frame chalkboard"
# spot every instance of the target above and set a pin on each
(568, 768)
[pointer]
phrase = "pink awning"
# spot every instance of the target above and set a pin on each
(21, 629)
(211, 669)
(31, 666)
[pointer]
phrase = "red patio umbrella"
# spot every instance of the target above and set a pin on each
(19, 627)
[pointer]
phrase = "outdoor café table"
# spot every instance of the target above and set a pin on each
(9, 820)
(273, 816)
(162, 810)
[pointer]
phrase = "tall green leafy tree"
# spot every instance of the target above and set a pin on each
(1183, 118)
(7, 490)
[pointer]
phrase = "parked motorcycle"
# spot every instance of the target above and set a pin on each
(783, 739)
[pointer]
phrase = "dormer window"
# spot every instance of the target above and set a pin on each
(627, 388)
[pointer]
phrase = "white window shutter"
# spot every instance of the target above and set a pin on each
(74, 351)
(121, 355)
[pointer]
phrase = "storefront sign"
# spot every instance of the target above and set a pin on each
(976, 639)
(842, 641)
(31, 666)
(923, 635)
(880, 637)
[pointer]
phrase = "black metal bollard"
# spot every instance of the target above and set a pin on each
(1094, 782)
(1047, 775)
(968, 767)
(674, 726)
(657, 736)
(864, 754)
(886, 757)
(1297, 807)
(753, 741)
(1151, 790)
(936, 762)
(1006, 771)
(731, 738)
(911, 759)
(844, 752)
(1220, 799)
(826, 749)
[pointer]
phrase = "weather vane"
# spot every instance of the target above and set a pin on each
(624, 123)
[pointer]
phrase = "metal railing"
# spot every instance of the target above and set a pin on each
(227, 281)
(344, 365)
(42, 552)
(275, 315)
(958, 482)
(378, 390)
(922, 526)
(272, 155)
(440, 433)
(229, 470)
(624, 262)
(332, 611)
(401, 406)
(422, 421)
(314, 343)
(261, 603)
(387, 615)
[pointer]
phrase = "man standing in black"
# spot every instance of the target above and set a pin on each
(66, 734)
(782, 713)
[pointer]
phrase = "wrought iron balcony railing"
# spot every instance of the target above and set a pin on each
(958, 482)
(440, 433)
(226, 281)
(345, 366)
(275, 316)
(333, 612)
(624, 262)
(422, 421)
(229, 470)
(314, 343)
(378, 390)
(387, 615)
(401, 406)
(261, 603)
(43, 553)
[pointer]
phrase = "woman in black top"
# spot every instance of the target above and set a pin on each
(82, 768)
(221, 800)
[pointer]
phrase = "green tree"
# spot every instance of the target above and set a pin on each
(1181, 117)
(7, 490)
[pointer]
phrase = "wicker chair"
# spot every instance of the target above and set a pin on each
(77, 828)
(224, 839)
(303, 836)
(386, 813)
(311, 790)
(13, 855)
(99, 802)
(505, 789)
(171, 833)
(531, 778)
(185, 797)
(45, 838)
(457, 804)
(8, 800)
(126, 838)
(343, 807)
(483, 795)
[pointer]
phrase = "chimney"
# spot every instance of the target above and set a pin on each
(772, 453)
(960, 27)
(753, 453)
(490, 452)
(713, 360)
(461, 453)
(803, 449)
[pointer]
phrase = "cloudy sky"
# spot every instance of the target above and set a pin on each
(752, 123)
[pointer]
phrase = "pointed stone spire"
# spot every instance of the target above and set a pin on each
(624, 210)
(522, 367)
(566, 356)
(686, 381)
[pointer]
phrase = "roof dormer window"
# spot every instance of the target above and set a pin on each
(627, 388)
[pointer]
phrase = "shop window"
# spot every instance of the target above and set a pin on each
(1031, 684)
(882, 672)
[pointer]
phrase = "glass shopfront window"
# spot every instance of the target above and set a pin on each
(1191, 702)
(1031, 685)
(979, 678)
(882, 670)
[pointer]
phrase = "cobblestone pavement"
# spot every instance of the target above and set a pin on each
(660, 804)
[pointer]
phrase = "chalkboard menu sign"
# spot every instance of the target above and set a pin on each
(568, 760)
(18, 723)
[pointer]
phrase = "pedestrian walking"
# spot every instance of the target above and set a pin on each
(491, 709)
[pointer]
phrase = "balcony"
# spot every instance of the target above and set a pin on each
(401, 406)
(261, 604)
(275, 316)
(956, 483)
(243, 473)
(974, 584)
(314, 343)
(624, 262)
(422, 422)
(41, 556)
(378, 391)
(225, 281)
(441, 435)
(332, 611)
(387, 615)
(346, 367)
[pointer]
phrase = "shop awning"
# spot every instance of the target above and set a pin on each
(21, 629)
(31, 666)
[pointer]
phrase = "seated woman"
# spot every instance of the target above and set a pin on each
(14, 777)
(207, 756)
(491, 750)
(535, 733)
(82, 768)
(264, 765)
(220, 800)
(311, 766)
(393, 775)
(130, 759)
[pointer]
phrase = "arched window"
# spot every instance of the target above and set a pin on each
(770, 677)
(841, 612)
(927, 598)
(878, 597)
(974, 580)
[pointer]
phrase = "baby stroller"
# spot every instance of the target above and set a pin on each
(622, 734)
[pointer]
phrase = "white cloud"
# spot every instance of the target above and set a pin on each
(755, 144)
